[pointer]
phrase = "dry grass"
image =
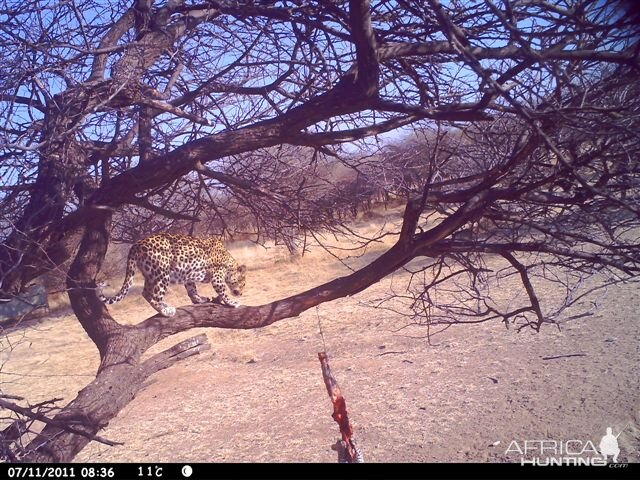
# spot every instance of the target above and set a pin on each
(259, 396)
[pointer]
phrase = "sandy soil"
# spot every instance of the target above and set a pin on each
(259, 395)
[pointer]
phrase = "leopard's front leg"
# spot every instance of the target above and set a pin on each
(221, 289)
(195, 297)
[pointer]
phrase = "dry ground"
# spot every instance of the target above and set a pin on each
(259, 395)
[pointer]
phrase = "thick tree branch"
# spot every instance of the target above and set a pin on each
(399, 50)
(110, 39)
(365, 42)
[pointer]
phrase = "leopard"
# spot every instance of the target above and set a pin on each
(165, 258)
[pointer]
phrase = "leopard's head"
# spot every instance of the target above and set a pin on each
(236, 278)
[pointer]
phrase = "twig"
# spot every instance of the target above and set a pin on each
(565, 356)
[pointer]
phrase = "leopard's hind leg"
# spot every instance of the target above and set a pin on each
(153, 293)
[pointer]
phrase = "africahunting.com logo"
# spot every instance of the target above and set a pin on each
(569, 452)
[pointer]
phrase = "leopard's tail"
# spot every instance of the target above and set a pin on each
(128, 280)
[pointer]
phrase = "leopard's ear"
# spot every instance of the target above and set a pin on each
(242, 268)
